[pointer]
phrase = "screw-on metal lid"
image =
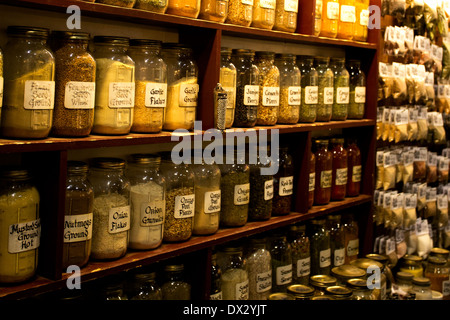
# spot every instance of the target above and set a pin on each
(28, 31)
(322, 280)
(339, 291)
(14, 173)
(145, 42)
(70, 35)
(421, 281)
(174, 267)
(300, 290)
(144, 159)
(107, 163)
(77, 167)
(124, 41)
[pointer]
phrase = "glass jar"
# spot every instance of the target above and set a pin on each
(340, 169)
(73, 115)
(286, 15)
(175, 286)
(339, 292)
(184, 8)
(281, 253)
(341, 93)
(214, 10)
(150, 85)
(346, 272)
(114, 86)
(158, 6)
(215, 292)
(111, 212)
(337, 240)
(283, 184)
(78, 215)
(180, 199)
(354, 168)
(281, 296)
(114, 291)
(247, 88)
(372, 267)
(147, 287)
(360, 289)
(290, 89)
(30, 68)
(312, 179)
(207, 197)
(422, 288)
(263, 14)
(320, 282)
(1, 81)
(360, 30)
(301, 256)
(412, 264)
(330, 18)
(147, 193)
(227, 78)
(235, 281)
(310, 87)
(404, 282)
(326, 89)
(259, 266)
(19, 218)
(318, 17)
(301, 291)
(351, 231)
(261, 186)
(320, 247)
(324, 166)
(240, 12)
(347, 19)
(269, 89)
(119, 3)
(356, 108)
(438, 273)
(182, 93)
(387, 279)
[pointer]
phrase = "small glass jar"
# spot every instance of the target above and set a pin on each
(259, 266)
(339, 292)
(261, 187)
(247, 88)
(310, 87)
(73, 115)
(360, 289)
(422, 288)
(111, 208)
(320, 247)
(324, 169)
(150, 85)
(114, 86)
(341, 92)
(19, 210)
(347, 19)
(180, 199)
(404, 282)
(360, 30)
(286, 15)
(119, 3)
(175, 286)
(356, 108)
(281, 296)
(386, 279)
(301, 291)
(412, 264)
(30, 69)
(340, 169)
(337, 240)
(227, 79)
(184, 8)
(263, 14)
(158, 6)
(346, 272)
(283, 184)
(330, 18)
(147, 287)
(269, 89)
(320, 282)
(354, 168)
(351, 231)
(78, 218)
(147, 193)
(318, 17)
(114, 292)
(312, 179)
(371, 267)
(438, 273)
(215, 292)
(326, 89)
(235, 282)
(281, 253)
(182, 92)
(301, 256)
(290, 89)
(214, 10)
(240, 12)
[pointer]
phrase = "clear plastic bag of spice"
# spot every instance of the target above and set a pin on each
(310, 89)
(290, 89)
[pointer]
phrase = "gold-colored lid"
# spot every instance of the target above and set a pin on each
(322, 280)
(348, 271)
(440, 252)
(364, 263)
(174, 267)
(421, 281)
(281, 296)
(412, 258)
(300, 289)
(322, 297)
(357, 283)
(339, 291)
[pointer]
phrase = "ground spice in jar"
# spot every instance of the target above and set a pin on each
(240, 12)
(301, 256)
(158, 6)
(147, 119)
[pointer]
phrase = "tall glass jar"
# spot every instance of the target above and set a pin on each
(182, 93)
(340, 169)
(175, 286)
(351, 230)
(147, 287)
(269, 88)
(73, 115)
(312, 179)
(290, 88)
(281, 253)
(263, 14)
(360, 289)
(356, 108)
(319, 237)
(261, 188)
(78, 218)
(247, 88)
(147, 192)
(214, 10)
(318, 17)
(184, 8)
(330, 18)
(111, 208)
(337, 240)
(259, 266)
(438, 273)
(180, 199)
(216, 279)
(19, 218)
(301, 255)
(360, 31)
(235, 281)
(341, 99)
(326, 89)
(347, 19)
(240, 12)
(227, 79)
(286, 15)
(159, 6)
(30, 69)
(422, 288)
(114, 86)
(310, 88)
(283, 184)
(354, 168)
(151, 85)
(324, 171)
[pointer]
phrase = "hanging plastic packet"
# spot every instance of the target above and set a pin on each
(397, 9)
(401, 120)
(446, 109)
(431, 205)
(379, 122)
(396, 219)
(399, 165)
(441, 99)
(442, 210)
(411, 239)
(429, 88)
(412, 128)
(421, 191)
(399, 89)
(409, 210)
(385, 83)
(432, 162)
(434, 65)
(390, 44)
(436, 126)
(380, 169)
(445, 57)
(420, 92)
(443, 169)
(387, 211)
(418, 15)
(442, 21)
(409, 79)
(400, 243)
(386, 123)
(379, 214)
(409, 45)
(420, 163)
(390, 170)
(424, 240)
(408, 165)
(390, 251)
(431, 18)
(422, 123)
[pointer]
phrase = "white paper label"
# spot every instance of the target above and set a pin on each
(312, 181)
(291, 5)
(78, 227)
(325, 179)
(341, 176)
(356, 174)
(332, 10)
(328, 93)
(79, 95)
(152, 213)
(343, 95)
(303, 267)
(339, 257)
(271, 96)
(242, 290)
(348, 14)
(121, 95)
(268, 190)
(311, 95)
(286, 186)
(364, 18)
(267, 4)
(155, 95)
(251, 95)
(325, 258)
(212, 201)
(241, 194)
(247, 2)
(360, 94)
(216, 296)
(24, 236)
(184, 206)
(284, 274)
(353, 247)
(188, 95)
(119, 219)
(39, 95)
(264, 281)
(294, 96)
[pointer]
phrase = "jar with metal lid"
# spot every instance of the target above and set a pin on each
(318, 17)
(29, 80)
(356, 108)
(347, 19)
(119, 3)
(341, 90)
(361, 290)
(340, 169)
(310, 87)
(147, 194)
(114, 291)
(259, 266)
(301, 256)
(312, 179)
(320, 282)
(78, 217)
(351, 231)
(227, 78)
(346, 272)
(240, 12)
(404, 282)
(263, 14)
(326, 89)
(439, 252)
(290, 88)
(114, 86)
(337, 240)
(235, 282)
(158, 6)
(387, 278)
(320, 247)
(147, 287)
(324, 169)
(184, 8)
(111, 208)
(354, 168)
(213, 10)
(247, 88)
(412, 264)
(180, 199)
(330, 18)
(301, 291)
(150, 85)
(286, 15)
(175, 286)
(283, 183)
(19, 219)
(438, 273)
(339, 292)
(261, 185)
(215, 292)
(281, 253)
(269, 88)
(73, 115)
(183, 88)
(360, 31)
(281, 296)
(422, 288)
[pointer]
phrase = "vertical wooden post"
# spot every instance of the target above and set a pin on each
(305, 17)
